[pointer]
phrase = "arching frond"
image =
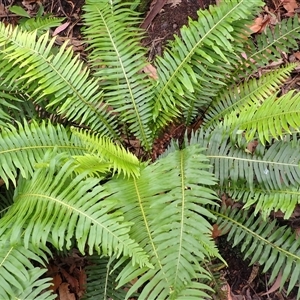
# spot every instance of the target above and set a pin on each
(274, 247)
(40, 23)
(18, 276)
(273, 118)
(237, 97)
(116, 156)
(21, 148)
(266, 202)
(61, 78)
(52, 207)
(118, 59)
(275, 167)
(197, 64)
(166, 205)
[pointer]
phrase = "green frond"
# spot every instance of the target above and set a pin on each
(237, 97)
(23, 147)
(118, 59)
(101, 279)
(268, 47)
(274, 247)
(28, 62)
(108, 153)
(273, 168)
(41, 24)
(266, 202)
(18, 276)
(272, 118)
(198, 63)
(52, 207)
(166, 204)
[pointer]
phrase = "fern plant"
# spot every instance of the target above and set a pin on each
(67, 177)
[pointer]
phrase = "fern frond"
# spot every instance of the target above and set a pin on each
(28, 62)
(166, 205)
(275, 247)
(118, 60)
(21, 148)
(18, 276)
(198, 64)
(268, 47)
(52, 207)
(101, 279)
(41, 24)
(273, 168)
(237, 97)
(273, 118)
(117, 157)
(266, 202)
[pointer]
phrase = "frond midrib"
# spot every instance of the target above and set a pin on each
(188, 56)
(49, 63)
(252, 160)
(283, 252)
(68, 147)
(137, 114)
(182, 174)
(71, 208)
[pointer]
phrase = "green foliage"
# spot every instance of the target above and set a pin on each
(72, 181)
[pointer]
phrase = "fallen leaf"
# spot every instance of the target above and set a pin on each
(216, 232)
(60, 28)
(260, 23)
(150, 71)
(275, 286)
(290, 6)
(71, 280)
(64, 293)
(297, 55)
(56, 282)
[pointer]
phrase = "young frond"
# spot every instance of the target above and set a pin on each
(118, 59)
(274, 247)
(273, 118)
(198, 63)
(50, 207)
(60, 78)
(169, 219)
(110, 154)
(237, 97)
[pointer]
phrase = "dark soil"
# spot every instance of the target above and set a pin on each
(245, 282)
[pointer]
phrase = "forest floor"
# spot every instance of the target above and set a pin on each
(163, 19)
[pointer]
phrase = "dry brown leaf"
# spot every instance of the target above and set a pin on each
(64, 293)
(290, 6)
(260, 23)
(71, 280)
(216, 232)
(60, 28)
(56, 282)
(275, 286)
(150, 71)
(297, 55)
(2, 9)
